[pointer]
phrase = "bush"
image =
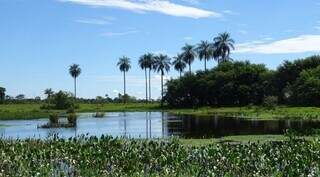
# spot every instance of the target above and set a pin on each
(54, 118)
(72, 118)
(270, 102)
(99, 114)
(63, 100)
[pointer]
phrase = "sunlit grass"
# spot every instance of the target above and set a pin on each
(33, 111)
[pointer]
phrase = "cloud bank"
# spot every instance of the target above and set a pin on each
(160, 6)
(299, 44)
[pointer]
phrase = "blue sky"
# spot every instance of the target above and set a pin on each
(40, 39)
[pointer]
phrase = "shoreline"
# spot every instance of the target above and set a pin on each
(33, 111)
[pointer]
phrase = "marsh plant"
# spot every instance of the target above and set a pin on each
(53, 118)
(105, 156)
(72, 119)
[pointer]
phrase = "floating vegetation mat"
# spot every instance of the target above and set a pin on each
(106, 156)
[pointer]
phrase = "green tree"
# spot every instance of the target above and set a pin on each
(223, 44)
(63, 100)
(124, 66)
(49, 92)
(205, 52)
(162, 65)
(144, 64)
(2, 94)
(75, 71)
(179, 64)
(188, 55)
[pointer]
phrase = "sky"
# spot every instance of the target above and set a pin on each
(40, 39)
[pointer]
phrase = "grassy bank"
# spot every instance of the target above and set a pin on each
(33, 111)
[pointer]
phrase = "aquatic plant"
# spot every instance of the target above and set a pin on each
(72, 118)
(106, 156)
(53, 118)
(99, 114)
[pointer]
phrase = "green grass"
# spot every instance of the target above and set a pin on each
(241, 139)
(280, 112)
(33, 111)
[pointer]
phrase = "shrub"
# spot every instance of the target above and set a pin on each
(99, 114)
(270, 102)
(72, 118)
(63, 100)
(53, 118)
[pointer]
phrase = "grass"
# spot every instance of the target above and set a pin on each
(33, 111)
(241, 139)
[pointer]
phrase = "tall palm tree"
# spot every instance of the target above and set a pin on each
(205, 52)
(179, 64)
(75, 71)
(188, 55)
(150, 60)
(124, 66)
(162, 65)
(223, 45)
(144, 64)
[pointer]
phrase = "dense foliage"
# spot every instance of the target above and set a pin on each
(116, 157)
(2, 95)
(242, 83)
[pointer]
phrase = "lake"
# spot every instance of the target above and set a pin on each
(153, 125)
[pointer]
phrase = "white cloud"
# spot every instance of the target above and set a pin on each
(111, 34)
(243, 32)
(93, 21)
(187, 38)
(160, 6)
(191, 1)
(230, 12)
(299, 44)
(115, 91)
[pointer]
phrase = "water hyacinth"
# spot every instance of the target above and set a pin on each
(106, 156)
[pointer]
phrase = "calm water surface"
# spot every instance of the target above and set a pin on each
(153, 125)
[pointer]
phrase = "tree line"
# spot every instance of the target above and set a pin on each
(242, 83)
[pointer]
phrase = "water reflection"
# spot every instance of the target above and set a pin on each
(153, 125)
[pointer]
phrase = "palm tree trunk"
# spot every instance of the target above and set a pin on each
(75, 87)
(205, 63)
(150, 84)
(161, 88)
(145, 73)
(189, 67)
(180, 74)
(124, 86)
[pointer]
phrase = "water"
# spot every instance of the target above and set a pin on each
(153, 125)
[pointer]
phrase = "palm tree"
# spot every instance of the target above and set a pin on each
(49, 94)
(75, 71)
(144, 64)
(205, 52)
(188, 54)
(2, 94)
(223, 45)
(150, 61)
(124, 66)
(162, 65)
(179, 64)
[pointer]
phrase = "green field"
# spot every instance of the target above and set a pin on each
(33, 111)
